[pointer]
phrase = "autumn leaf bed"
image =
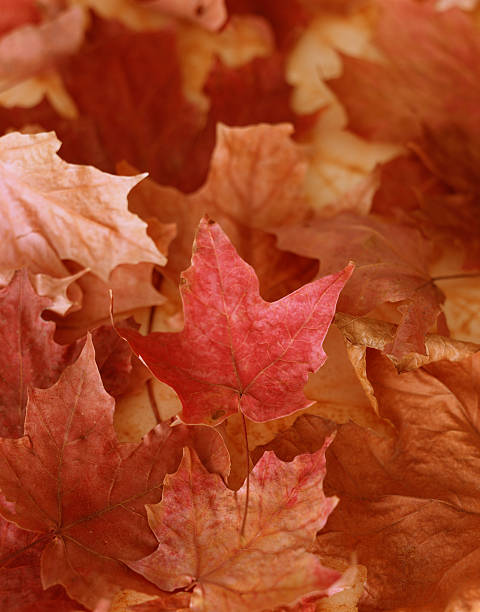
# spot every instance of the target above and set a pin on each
(240, 292)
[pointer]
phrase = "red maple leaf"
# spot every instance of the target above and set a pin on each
(238, 352)
(30, 357)
(89, 511)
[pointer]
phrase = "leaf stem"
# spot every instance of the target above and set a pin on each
(150, 391)
(454, 276)
(247, 496)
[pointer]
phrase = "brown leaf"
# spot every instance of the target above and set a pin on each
(409, 506)
(425, 92)
(384, 271)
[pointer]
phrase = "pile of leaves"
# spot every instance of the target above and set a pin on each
(240, 284)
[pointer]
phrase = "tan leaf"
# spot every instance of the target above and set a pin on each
(55, 211)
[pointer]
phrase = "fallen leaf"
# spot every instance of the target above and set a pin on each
(364, 332)
(210, 363)
(30, 357)
(197, 526)
(44, 196)
(70, 444)
(409, 506)
(31, 49)
(383, 273)
(425, 92)
(132, 288)
(20, 585)
(255, 181)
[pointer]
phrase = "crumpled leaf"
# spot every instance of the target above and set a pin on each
(384, 272)
(197, 526)
(29, 355)
(236, 351)
(363, 333)
(44, 196)
(89, 512)
(425, 93)
(410, 506)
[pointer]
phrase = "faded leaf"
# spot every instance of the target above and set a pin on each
(255, 181)
(45, 196)
(197, 525)
(31, 49)
(236, 351)
(391, 262)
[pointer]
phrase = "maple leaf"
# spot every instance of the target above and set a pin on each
(44, 196)
(30, 357)
(20, 585)
(244, 193)
(384, 272)
(197, 525)
(89, 512)
(409, 505)
(156, 128)
(238, 352)
(425, 93)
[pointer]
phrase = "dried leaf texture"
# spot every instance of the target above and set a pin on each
(20, 585)
(410, 507)
(89, 512)
(391, 265)
(236, 351)
(44, 198)
(198, 523)
(30, 356)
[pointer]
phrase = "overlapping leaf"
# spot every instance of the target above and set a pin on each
(426, 91)
(391, 266)
(89, 512)
(255, 181)
(201, 546)
(44, 196)
(238, 352)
